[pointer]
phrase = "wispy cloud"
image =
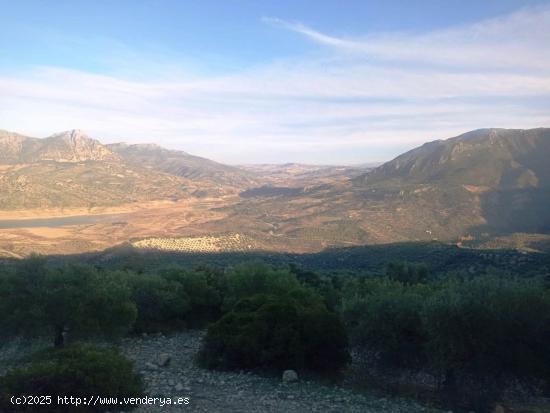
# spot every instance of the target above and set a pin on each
(518, 40)
(356, 99)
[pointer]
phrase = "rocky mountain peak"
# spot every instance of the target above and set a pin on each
(74, 146)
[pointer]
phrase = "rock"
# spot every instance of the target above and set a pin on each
(151, 366)
(179, 387)
(164, 359)
(290, 376)
(499, 409)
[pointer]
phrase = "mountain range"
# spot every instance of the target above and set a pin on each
(481, 185)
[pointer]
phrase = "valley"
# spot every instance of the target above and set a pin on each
(72, 195)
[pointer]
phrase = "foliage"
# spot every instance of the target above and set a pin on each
(248, 279)
(276, 332)
(76, 370)
(203, 290)
(476, 331)
(328, 287)
(36, 300)
(160, 303)
(175, 297)
(407, 273)
(490, 325)
(385, 316)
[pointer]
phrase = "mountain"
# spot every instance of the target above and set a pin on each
(489, 186)
(478, 186)
(482, 183)
(303, 174)
(72, 170)
(69, 146)
(485, 158)
(180, 163)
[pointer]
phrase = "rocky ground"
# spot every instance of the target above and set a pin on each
(167, 364)
(239, 391)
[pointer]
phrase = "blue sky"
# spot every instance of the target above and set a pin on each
(279, 81)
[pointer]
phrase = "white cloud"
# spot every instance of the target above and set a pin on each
(361, 99)
(517, 40)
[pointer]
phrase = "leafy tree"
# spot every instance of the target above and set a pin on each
(386, 316)
(327, 287)
(202, 290)
(248, 279)
(276, 332)
(407, 273)
(74, 300)
(484, 329)
(161, 303)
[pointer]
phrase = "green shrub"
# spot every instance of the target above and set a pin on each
(80, 300)
(407, 273)
(175, 298)
(202, 289)
(248, 279)
(475, 333)
(385, 317)
(161, 304)
(276, 332)
(490, 326)
(326, 287)
(79, 371)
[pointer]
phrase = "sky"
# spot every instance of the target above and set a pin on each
(241, 81)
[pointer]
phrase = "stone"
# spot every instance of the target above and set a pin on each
(290, 376)
(179, 387)
(499, 409)
(151, 366)
(164, 359)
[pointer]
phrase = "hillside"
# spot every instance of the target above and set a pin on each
(498, 180)
(485, 158)
(486, 187)
(179, 163)
(72, 170)
(485, 184)
(70, 146)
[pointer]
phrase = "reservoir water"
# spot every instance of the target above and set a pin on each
(59, 221)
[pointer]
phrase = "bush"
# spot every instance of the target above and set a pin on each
(277, 333)
(161, 304)
(385, 317)
(475, 333)
(175, 298)
(488, 329)
(77, 370)
(407, 273)
(202, 289)
(246, 280)
(326, 286)
(78, 300)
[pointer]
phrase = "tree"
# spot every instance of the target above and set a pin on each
(74, 300)
(407, 273)
(278, 333)
(248, 279)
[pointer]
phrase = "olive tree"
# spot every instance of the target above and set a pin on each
(75, 300)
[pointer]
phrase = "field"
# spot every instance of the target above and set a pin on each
(224, 243)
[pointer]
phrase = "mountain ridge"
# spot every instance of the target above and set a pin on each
(481, 185)
(493, 157)
(67, 146)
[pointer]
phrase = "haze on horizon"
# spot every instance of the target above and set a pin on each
(274, 82)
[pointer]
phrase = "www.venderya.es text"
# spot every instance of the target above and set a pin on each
(43, 400)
